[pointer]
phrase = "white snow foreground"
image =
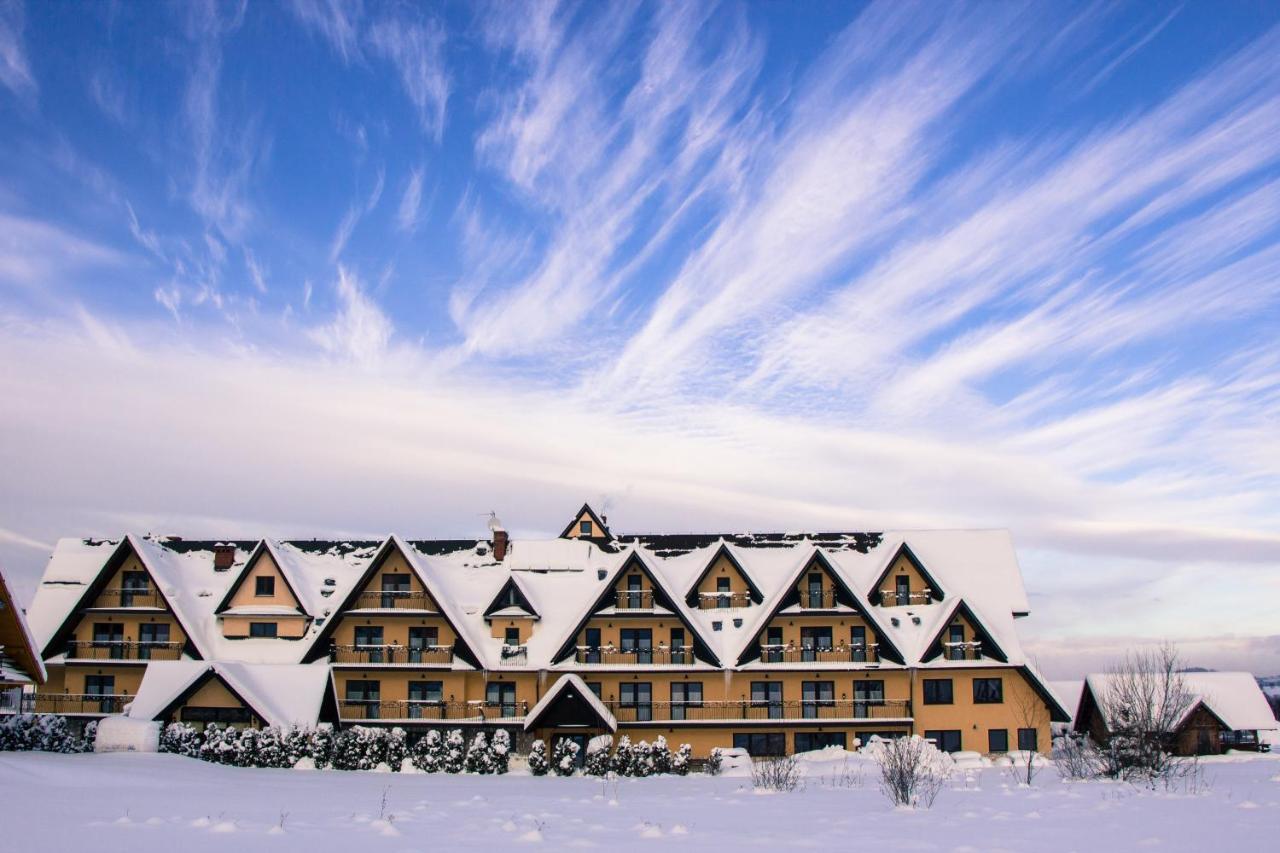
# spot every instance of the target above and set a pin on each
(145, 802)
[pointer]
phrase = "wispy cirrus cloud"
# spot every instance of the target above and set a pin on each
(15, 70)
(411, 201)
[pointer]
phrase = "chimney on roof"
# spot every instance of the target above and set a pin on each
(224, 554)
(499, 537)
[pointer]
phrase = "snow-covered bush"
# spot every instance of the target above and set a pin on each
(50, 733)
(538, 763)
(478, 758)
(680, 760)
(180, 739)
(91, 736)
(428, 752)
(500, 746)
(211, 744)
(912, 769)
(295, 743)
(246, 748)
(597, 762)
(661, 756)
(320, 745)
(714, 760)
(271, 751)
(395, 748)
(455, 752)
(776, 773)
(359, 748)
(623, 758)
(564, 760)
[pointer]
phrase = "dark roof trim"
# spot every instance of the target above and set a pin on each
(1057, 714)
(595, 519)
(934, 649)
(904, 550)
(199, 682)
(691, 596)
(522, 599)
(244, 573)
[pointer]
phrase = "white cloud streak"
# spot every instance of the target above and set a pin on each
(410, 202)
(15, 69)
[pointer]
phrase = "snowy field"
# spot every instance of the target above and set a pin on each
(132, 802)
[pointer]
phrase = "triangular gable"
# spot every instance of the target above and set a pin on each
(1198, 703)
(570, 703)
(934, 649)
(462, 648)
(1057, 713)
(263, 548)
(511, 589)
(128, 545)
(691, 598)
(208, 675)
(596, 521)
(904, 550)
(787, 596)
(661, 597)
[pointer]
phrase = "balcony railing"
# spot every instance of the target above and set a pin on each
(790, 653)
(635, 657)
(393, 600)
(893, 598)
(421, 709)
(515, 655)
(130, 597)
(842, 709)
(392, 654)
(817, 600)
(112, 650)
(635, 599)
(723, 600)
(74, 703)
(970, 650)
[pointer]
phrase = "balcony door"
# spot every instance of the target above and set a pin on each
(103, 686)
(638, 641)
(593, 646)
(395, 587)
(768, 695)
(858, 643)
(635, 595)
(501, 695)
(902, 589)
(422, 696)
(867, 693)
(775, 653)
(637, 695)
(955, 636)
(150, 636)
(109, 636)
(133, 583)
(813, 642)
(815, 589)
(369, 643)
(364, 695)
(815, 695)
(723, 595)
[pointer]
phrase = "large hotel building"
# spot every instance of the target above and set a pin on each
(772, 642)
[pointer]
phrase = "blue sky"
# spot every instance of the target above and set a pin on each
(317, 268)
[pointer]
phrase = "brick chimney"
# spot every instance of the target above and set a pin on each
(224, 554)
(500, 540)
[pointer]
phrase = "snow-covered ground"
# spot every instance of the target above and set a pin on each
(150, 802)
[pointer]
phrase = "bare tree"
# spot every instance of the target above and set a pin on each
(1142, 703)
(776, 773)
(912, 770)
(1030, 712)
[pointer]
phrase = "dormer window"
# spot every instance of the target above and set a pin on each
(264, 586)
(584, 528)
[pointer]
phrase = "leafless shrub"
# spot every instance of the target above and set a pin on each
(1144, 700)
(1031, 713)
(912, 771)
(777, 773)
(1076, 758)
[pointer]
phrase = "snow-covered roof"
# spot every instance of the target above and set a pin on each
(566, 682)
(282, 694)
(1233, 697)
(20, 660)
(562, 580)
(1069, 692)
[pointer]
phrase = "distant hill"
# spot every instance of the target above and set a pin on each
(1270, 684)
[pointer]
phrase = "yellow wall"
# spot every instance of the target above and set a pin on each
(288, 626)
(575, 529)
(1022, 707)
(395, 629)
(498, 627)
(611, 627)
(264, 567)
(396, 564)
(130, 564)
(902, 566)
(839, 625)
(721, 568)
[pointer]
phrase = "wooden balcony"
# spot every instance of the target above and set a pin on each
(427, 711)
(823, 600)
(394, 600)
(971, 650)
(393, 654)
(613, 656)
(123, 651)
(893, 598)
(723, 600)
(639, 599)
(126, 598)
(791, 653)
(731, 711)
(74, 703)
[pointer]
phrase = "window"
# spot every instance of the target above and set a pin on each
(684, 694)
(638, 641)
(362, 699)
(511, 637)
(197, 714)
(584, 528)
(947, 740)
(101, 685)
(677, 646)
(1027, 740)
(151, 634)
(808, 741)
(814, 641)
(109, 636)
(815, 695)
(867, 693)
(594, 687)
(988, 691)
(937, 691)
(956, 637)
(264, 585)
(858, 643)
(262, 629)
(422, 641)
(902, 589)
(394, 587)
(761, 743)
(369, 643)
(133, 584)
(723, 597)
(635, 593)
(997, 740)
(767, 694)
(593, 645)
(814, 593)
(501, 695)
(775, 653)
(423, 695)
(638, 695)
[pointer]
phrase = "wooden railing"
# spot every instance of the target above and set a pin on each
(112, 650)
(635, 657)
(723, 600)
(74, 703)
(823, 600)
(393, 600)
(414, 709)
(392, 654)
(791, 653)
(971, 650)
(893, 598)
(840, 709)
(637, 599)
(130, 597)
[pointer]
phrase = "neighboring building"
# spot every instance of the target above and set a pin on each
(20, 664)
(773, 642)
(1068, 692)
(1225, 710)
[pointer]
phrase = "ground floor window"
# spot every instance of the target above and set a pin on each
(362, 698)
(262, 629)
(1028, 739)
(806, 741)
(947, 740)
(104, 686)
(226, 716)
(997, 740)
(761, 743)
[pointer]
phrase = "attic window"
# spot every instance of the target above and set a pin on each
(584, 528)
